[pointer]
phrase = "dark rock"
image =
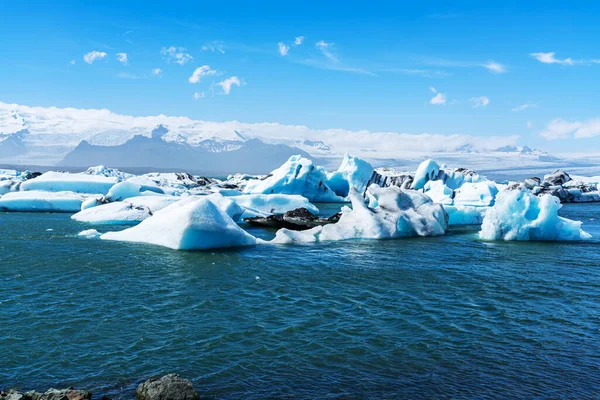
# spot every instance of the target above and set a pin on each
(558, 178)
(299, 219)
(301, 213)
(32, 175)
(169, 387)
(50, 394)
(530, 183)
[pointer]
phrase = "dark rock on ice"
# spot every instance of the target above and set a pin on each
(299, 219)
(530, 183)
(558, 178)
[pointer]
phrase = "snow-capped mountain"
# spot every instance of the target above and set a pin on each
(49, 136)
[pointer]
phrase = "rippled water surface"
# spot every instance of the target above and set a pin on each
(413, 318)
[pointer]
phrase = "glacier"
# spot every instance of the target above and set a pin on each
(384, 203)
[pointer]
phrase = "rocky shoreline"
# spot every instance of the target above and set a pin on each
(168, 387)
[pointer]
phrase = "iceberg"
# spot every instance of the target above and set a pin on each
(392, 213)
(189, 225)
(66, 182)
(427, 171)
(353, 172)
(41, 201)
(127, 189)
(89, 234)
(299, 176)
(520, 215)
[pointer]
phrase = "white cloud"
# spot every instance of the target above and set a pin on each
(523, 107)
(122, 57)
(482, 101)
(432, 89)
(494, 67)
(438, 99)
(201, 72)
(71, 125)
(126, 75)
(198, 95)
(177, 55)
(72, 62)
(560, 129)
(93, 56)
(325, 49)
(299, 40)
(214, 46)
(228, 83)
(283, 49)
(548, 58)
(529, 124)
(157, 72)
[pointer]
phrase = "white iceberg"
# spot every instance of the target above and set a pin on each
(191, 225)
(66, 182)
(427, 171)
(299, 176)
(520, 215)
(392, 213)
(127, 189)
(353, 172)
(89, 234)
(41, 201)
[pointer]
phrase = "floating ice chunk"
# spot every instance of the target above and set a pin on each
(480, 194)
(127, 189)
(465, 215)
(108, 172)
(392, 213)
(296, 176)
(41, 201)
(520, 215)
(89, 234)
(188, 225)
(266, 204)
(353, 172)
(66, 182)
(130, 211)
(439, 192)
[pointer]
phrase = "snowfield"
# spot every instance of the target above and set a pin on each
(185, 212)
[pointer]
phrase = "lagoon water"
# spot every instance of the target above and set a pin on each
(446, 317)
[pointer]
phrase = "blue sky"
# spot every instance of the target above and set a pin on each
(363, 65)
